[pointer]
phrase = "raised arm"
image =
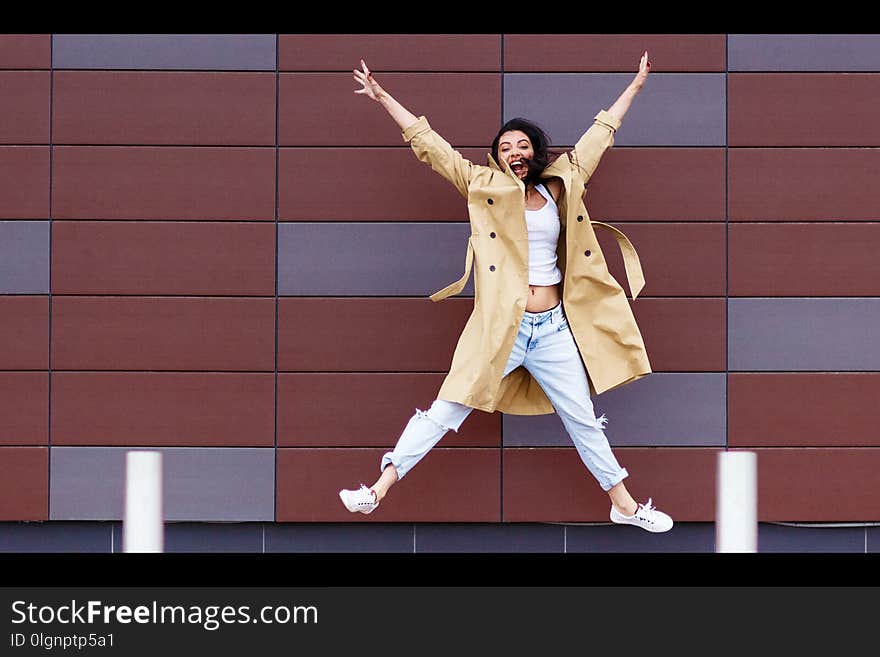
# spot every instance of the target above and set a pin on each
(621, 105)
(428, 146)
(600, 136)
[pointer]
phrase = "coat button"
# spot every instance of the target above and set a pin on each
(490, 201)
(492, 235)
(580, 217)
(587, 252)
(491, 267)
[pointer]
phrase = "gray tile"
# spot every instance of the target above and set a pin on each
(803, 52)
(489, 538)
(804, 538)
(658, 117)
(200, 483)
(24, 257)
(803, 334)
(353, 259)
(683, 537)
(249, 52)
(664, 408)
(55, 537)
(339, 537)
(205, 537)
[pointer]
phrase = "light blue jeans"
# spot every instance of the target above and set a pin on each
(546, 348)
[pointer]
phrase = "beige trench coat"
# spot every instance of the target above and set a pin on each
(595, 304)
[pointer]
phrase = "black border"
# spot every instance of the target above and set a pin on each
(430, 570)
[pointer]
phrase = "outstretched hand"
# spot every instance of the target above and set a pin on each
(370, 87)
(644, 69)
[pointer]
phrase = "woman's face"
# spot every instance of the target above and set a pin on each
(514, 147)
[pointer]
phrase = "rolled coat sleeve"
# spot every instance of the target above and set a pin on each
(432, 149)
(592, 145)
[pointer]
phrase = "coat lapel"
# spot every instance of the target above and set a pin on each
(505, 169)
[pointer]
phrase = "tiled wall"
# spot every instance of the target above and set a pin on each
(209, 245)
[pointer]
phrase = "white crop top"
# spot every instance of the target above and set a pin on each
(543, 227)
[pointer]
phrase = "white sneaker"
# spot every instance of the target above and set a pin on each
(646, 516)
(362, 500)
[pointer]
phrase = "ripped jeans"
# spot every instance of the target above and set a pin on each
(546, 348)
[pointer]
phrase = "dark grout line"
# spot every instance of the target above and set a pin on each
(49, 355)
(277, 196)
(726, 239)
(501, 429)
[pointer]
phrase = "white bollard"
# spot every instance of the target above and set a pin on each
(736, 512)
(142, 528)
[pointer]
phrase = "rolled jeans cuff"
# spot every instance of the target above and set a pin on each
(388, 459)
(623, 474)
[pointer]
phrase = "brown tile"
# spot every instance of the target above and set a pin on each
(803, 184)
(389, 185)
(157, 107)
(24, 107)
(448, 485)
(678, 259)
(25, 51)
(163, 258)
(683, 335)
(320, 109)
(818, 485)
(658, 184)
(24, 486)
(614, 52)
(164, 183)
(150, 333)
(24, 182)
(815, 409)
(802, 109)
(781, 259)
(163, 409)
(552, 484)
(369, 334)
(389, 52)
(367, 410)
(24, 408)
(24, 332)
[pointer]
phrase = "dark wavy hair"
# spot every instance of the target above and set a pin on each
(540, 143)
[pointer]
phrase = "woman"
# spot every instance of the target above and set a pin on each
(550, 325)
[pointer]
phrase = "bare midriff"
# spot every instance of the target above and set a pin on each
(542, 297)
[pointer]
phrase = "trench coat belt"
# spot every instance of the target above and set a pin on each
(631, 264)
(458, 286)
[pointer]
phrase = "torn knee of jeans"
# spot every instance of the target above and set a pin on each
(424, 414)
(602, 421)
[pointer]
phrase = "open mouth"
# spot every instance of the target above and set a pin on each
(518, 167)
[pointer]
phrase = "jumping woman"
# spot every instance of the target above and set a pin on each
(550, 325)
